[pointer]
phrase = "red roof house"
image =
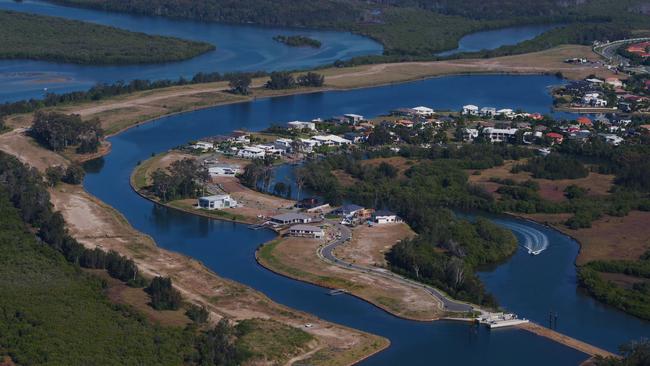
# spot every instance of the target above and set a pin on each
(584, 121)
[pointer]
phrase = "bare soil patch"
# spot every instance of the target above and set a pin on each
(370, 243)
(552, 190)
(28, 151)
(297, 258)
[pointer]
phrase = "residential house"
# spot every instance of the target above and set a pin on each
(251, 152)
(300, 125)
(614, 82)
(291, 218)
(307, 231)
(611, 139)
(423, 111)
(470, 110)
(332, 140)
(499, 134)
(488, 112)
(348, 210)
(216, 202)
(506, 113)
(283, 144)
(403, 112)
(469, 134)
(353, 119)
(203, 145)
(222, 171)
(385, 217)
(556, 137)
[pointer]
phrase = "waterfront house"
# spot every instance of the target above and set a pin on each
(384, 217)
(283, 144)
(584, 121)
(506, 113)
(203, 145)
(300, 125)
(488, 111)
(331, 140)
(423, 111)
(251, 152)
(306, 231)
(216, 202)
(291, 218)
(470, 110)
(353, 119)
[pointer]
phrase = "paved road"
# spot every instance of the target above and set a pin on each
(609, 51)
(326, 253)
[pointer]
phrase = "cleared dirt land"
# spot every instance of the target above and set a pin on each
(552, 190)
(297, 258)
(370, 244)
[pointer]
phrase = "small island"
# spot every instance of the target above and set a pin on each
(54, 39)
(298, 41)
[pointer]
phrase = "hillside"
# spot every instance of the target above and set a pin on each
(36, 37)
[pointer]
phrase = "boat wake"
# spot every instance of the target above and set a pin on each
(530, 238)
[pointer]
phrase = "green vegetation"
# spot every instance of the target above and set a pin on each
(181, 180)
(298, 41)
(58, 131)
(37, 37)
(58, 314)
(554, 166)
(634, 299)
(409, 30)
(635, 353)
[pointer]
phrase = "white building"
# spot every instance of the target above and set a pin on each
(291, 218)
(470, 110)
(203, 145)
(499, 134)
(506, 112)
(611, 138)
(222, 171)
(423, 111)
(251, 152)
(353, 118)
(488, 112)
(307, 231)
(299, 125)
(469, 134)
(594, 99)
(283, 144)
(216, 202)
(385, 217)
(331, 140)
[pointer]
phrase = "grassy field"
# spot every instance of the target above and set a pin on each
(37, 37)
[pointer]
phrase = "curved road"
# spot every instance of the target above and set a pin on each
(326, 253)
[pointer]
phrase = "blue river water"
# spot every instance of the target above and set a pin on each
(529, 285)
(493, 39)
(238, 48)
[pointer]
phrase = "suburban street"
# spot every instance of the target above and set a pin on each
(326, 253)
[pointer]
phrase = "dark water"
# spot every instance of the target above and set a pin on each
(228, 248)
(493, 39)
(239, 48)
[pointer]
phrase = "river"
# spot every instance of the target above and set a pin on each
(493, 39)
(238, 48)
(529, 285)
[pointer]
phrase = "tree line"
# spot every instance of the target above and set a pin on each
(58, 131)
(183, 179)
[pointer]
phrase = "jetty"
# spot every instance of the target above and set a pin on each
(501, 320)
(565, 340)
(338, 291)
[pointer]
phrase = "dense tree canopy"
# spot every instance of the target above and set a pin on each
(58, 131)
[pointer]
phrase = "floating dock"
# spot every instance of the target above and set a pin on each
(337, 292)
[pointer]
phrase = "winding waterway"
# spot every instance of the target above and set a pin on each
(493, 39)
(238, 48)
(529, 285)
